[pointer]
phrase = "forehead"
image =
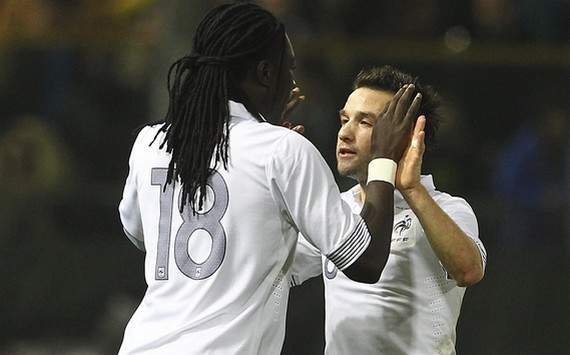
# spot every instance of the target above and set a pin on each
(367, 100)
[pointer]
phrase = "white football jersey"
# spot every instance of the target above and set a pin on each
(216, 279)
(413, 308)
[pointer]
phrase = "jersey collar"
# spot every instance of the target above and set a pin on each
(238, 110)
(399, 201)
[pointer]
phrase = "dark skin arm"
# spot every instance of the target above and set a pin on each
(390, 138)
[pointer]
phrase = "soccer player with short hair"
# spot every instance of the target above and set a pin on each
(435, 249)
(216, 195)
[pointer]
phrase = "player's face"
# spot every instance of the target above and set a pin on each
(357, 119)
(286, 81)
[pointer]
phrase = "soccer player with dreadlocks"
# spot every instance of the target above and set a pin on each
(216, 195)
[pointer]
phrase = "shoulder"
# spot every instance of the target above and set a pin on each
(274, 140)
(146, 146)
(460, 212)
(452, 204)
(449, 203)
(146, 135)
(297, 164)
(293, 147)
(292, 142)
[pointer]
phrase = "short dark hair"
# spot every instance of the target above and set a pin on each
(388, 78)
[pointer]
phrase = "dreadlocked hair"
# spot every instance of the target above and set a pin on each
(226, 42)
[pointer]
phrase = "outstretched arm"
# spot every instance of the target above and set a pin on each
(457, 252)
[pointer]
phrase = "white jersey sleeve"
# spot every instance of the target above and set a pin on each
(462, 214)
(307, 263)
(129, 211)
(305, 191)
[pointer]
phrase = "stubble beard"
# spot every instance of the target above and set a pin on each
(358, 172)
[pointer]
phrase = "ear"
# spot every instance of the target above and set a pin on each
(264, 73)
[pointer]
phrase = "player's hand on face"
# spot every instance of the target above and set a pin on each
(409, 170)
(390, 135)
(295, 98)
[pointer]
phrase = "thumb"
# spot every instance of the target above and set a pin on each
(419, 134)
(418, 143)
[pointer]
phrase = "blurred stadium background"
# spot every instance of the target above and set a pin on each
(76, 77)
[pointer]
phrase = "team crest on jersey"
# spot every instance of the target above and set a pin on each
(403, 225)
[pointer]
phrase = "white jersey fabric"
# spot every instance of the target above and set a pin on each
(215, 279)
(413, 308)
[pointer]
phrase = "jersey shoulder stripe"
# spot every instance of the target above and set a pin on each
(354, 244)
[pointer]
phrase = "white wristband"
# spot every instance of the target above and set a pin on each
(382, 169)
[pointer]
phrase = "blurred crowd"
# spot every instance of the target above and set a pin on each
(110, 21)
(77, 78)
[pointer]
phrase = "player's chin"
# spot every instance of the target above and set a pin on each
(344, 168)
(352, 167)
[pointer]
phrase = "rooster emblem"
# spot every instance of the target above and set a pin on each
(403, 225)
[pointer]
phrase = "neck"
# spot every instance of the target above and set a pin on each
(254, 100)
(362, 194)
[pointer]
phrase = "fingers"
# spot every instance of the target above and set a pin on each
(418, 139)
(413, 110)
(384, 110)
(299, 129)
(404, 102)
(418, 143)
(294, 102)
(295, 98)
(296, 95)
(420, 124)
(392, 106)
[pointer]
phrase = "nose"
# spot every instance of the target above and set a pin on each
(345, 133)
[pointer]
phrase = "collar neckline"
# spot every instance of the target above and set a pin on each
(237, 109)
(426, 180)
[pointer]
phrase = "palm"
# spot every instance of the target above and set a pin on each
(410, 165)
(409, 168)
